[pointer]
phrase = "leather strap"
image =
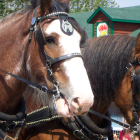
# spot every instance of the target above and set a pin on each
(64, 57)
(110, 119)
(65, 26)
(4, 136)
(18, 117)
(77, 131)
(31, 84)
(41, 115)
(94, 128)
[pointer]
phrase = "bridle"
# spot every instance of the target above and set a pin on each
(66, 28)
(136, 103)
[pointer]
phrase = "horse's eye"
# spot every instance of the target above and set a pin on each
(50, 40)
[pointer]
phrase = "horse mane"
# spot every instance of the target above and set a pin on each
(106, 59)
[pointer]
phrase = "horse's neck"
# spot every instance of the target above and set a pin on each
(14, 34)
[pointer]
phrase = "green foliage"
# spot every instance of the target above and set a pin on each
(9, 6)
(89, 5)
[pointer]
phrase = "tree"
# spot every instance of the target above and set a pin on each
(9, 6)
(1, 8)
(89, 5)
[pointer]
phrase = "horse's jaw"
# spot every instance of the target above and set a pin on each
(77, 95)
(63, 108)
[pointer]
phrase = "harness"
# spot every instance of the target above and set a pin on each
(19, 120)
(136, 105)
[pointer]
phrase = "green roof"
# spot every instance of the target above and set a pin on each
(127, 14)
(81, 18)
(135, 33)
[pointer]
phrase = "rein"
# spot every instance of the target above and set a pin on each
(9, 123)
(82, 131)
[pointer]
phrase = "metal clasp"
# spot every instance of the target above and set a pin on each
(129, 66)
(44, 89)
(132, 74)
(54, 99)
(67, 27)
(10, 127)
(33, 21)
(138, 126)
(80, 134)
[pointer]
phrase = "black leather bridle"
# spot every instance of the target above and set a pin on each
(136, 103)
(66, 28)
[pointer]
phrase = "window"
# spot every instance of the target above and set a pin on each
(101, 28)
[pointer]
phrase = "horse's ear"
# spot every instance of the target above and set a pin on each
(65, 1)
(45, 5)
(137, 44)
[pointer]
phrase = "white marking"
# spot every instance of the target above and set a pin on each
(15, 71)
(70, 44)
(28, 63)
(8, 77)
(74, 67)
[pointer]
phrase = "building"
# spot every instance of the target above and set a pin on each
(107, 20)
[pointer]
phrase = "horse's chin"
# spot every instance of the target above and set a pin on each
(63, 108)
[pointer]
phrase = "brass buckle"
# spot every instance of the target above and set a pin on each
(79, 132)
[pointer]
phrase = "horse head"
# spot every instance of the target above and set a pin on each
(53, 59)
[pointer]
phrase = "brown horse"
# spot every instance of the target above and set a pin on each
(43, 46)
(108, 62)
(112, 64)
(112, 77)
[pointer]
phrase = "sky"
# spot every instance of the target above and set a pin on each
(127, 3)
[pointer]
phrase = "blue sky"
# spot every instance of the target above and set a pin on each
(127, 3)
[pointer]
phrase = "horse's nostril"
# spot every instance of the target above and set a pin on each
(79, 109)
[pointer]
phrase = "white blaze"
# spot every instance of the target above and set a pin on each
(74, 67)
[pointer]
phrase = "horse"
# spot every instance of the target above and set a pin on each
(43, 51)
(112, 64)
